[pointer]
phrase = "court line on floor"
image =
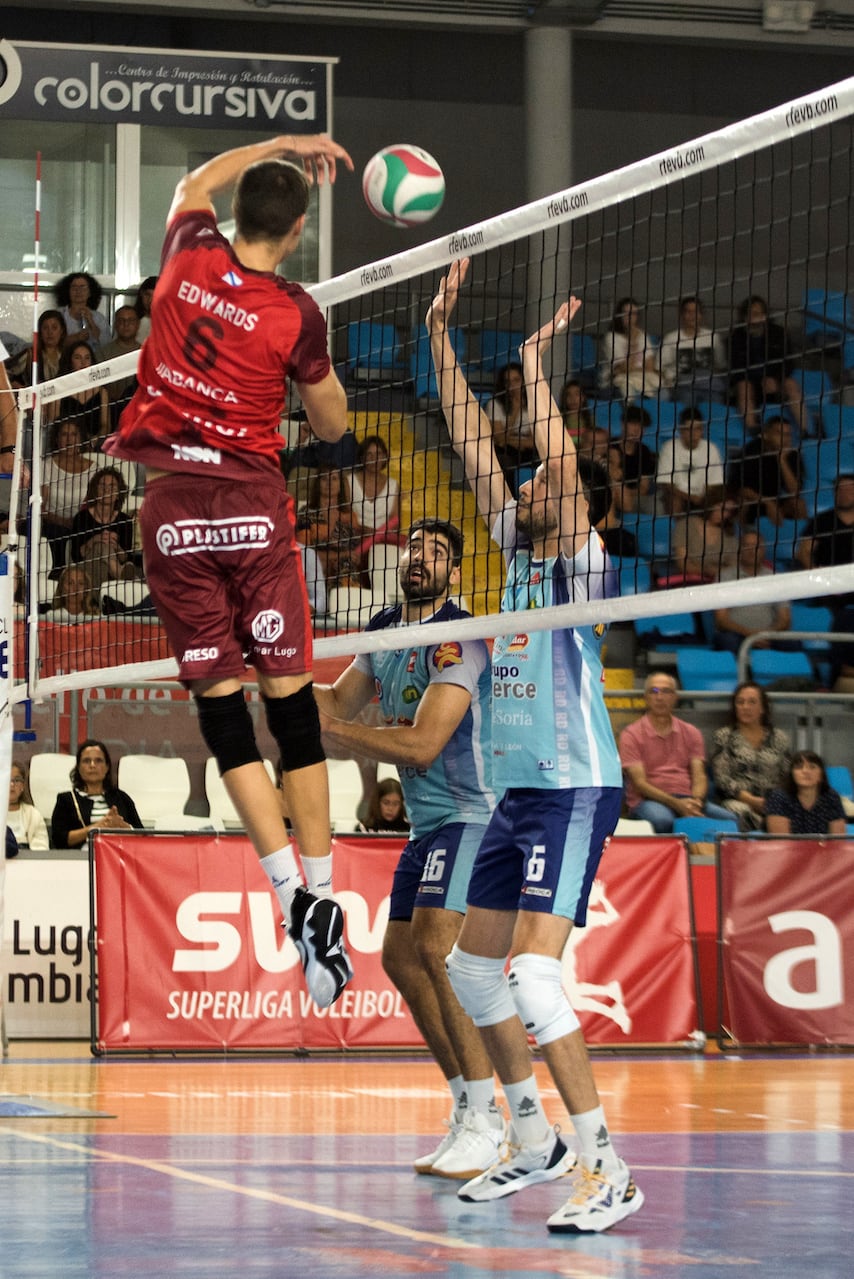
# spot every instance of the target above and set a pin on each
(217, 1183)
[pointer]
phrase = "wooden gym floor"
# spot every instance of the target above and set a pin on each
(302, 1167)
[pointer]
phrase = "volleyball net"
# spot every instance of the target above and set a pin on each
(755, 214)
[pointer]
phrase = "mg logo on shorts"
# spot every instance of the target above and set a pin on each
(267, 626)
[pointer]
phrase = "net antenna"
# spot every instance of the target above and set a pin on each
(762, 208)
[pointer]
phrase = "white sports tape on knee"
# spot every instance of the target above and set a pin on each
(481, 987)
(540, 999)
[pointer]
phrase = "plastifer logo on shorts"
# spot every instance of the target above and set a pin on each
(267, 626)
(239, 533)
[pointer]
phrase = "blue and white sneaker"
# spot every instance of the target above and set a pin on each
(317, 930)
(600, 1198)
(518, 1167)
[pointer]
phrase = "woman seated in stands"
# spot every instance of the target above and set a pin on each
(750, 757)
(512, 428)
(90, 405)
(52, 333)
(619, 542)
(74, 599)
(760, 367)
(65, 476)
(628, 363)
(375, 495)
(637, 462)
(805, 804)
(142, 306)
(101, 532)
(328, 524)
(94, 803)
(24, 819)
(387, 810)
(576, 415)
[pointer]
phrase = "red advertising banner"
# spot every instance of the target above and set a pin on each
(787, 931)
(191, 954)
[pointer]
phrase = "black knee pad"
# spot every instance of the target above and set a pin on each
(228, 731)
(295, 725)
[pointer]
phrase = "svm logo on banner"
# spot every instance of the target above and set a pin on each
(191, 953)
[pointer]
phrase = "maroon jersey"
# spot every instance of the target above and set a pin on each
(212, 372)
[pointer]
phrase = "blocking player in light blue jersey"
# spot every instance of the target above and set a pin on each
(434, 702)
(557, 765)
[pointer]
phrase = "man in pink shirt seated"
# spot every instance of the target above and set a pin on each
(664, 762)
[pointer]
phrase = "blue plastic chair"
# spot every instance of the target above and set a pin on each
(653, 537)
(707, 670)
(498, 347)
(673, 628)
(828, 316)
(839, 777)
(372, 348)
(702, 830)
(770, 664)
(584, 359)
(781, 541)
(635, 576)
(420, 364)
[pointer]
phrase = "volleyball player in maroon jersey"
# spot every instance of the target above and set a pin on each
(217, 523)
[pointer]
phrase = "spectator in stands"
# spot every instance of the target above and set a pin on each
(574, 410)
(387, 810)
(142, 305)
(805, 804)
(102, 532)
(692, 358)
(637, 461)
(628, 363)
(315, 582)
(704, 544)
(767, 476)
(512, 428)
(94, 803)
(90, 405)
(619, 541)
(74, 599)
(688, 465)
(735, 623)
(24, 819)
(312, 452)
(126, 340)
(52, 334)
(375, 495)
(749, 756)
(664, 761)
(78, 296)
(828, 538)
(760, 366)
(328, 524)
(65, 476)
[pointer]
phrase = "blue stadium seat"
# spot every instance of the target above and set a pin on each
(420, 365)
(706, 670)
(781, 541)
(653, 537)
(635, 576)
(702, 830)
(770, 664)
(372, 348)
(839, 777)
(828, 316)
(674, 629)
(497, 348)
(584, 359)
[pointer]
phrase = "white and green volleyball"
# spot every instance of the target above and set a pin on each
(403, 185)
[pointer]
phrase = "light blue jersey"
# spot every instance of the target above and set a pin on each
(550, 726)
(457, 787)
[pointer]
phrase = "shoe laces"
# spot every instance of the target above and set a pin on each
(587, 1183)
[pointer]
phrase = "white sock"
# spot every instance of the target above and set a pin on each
(318, 875)
(526, 1112)
(284, 874)
(481, 1095)
(594, 1138)
(457, 1086)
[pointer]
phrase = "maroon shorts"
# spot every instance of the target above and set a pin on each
(225, 573)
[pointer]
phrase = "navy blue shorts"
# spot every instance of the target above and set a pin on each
(542, 849)
(434, 871)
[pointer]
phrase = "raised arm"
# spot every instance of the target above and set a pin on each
(468, 426)
(554, 444)
(317, 153)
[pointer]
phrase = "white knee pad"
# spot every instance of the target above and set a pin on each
(541, 1001)
(481, 987)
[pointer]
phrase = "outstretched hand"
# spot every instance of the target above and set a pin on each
(319, 155)
(543, 338)
(442, 306)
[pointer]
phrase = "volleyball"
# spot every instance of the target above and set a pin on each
(403, 185)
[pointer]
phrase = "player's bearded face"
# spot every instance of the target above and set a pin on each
(536, 517)
(423, 577)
